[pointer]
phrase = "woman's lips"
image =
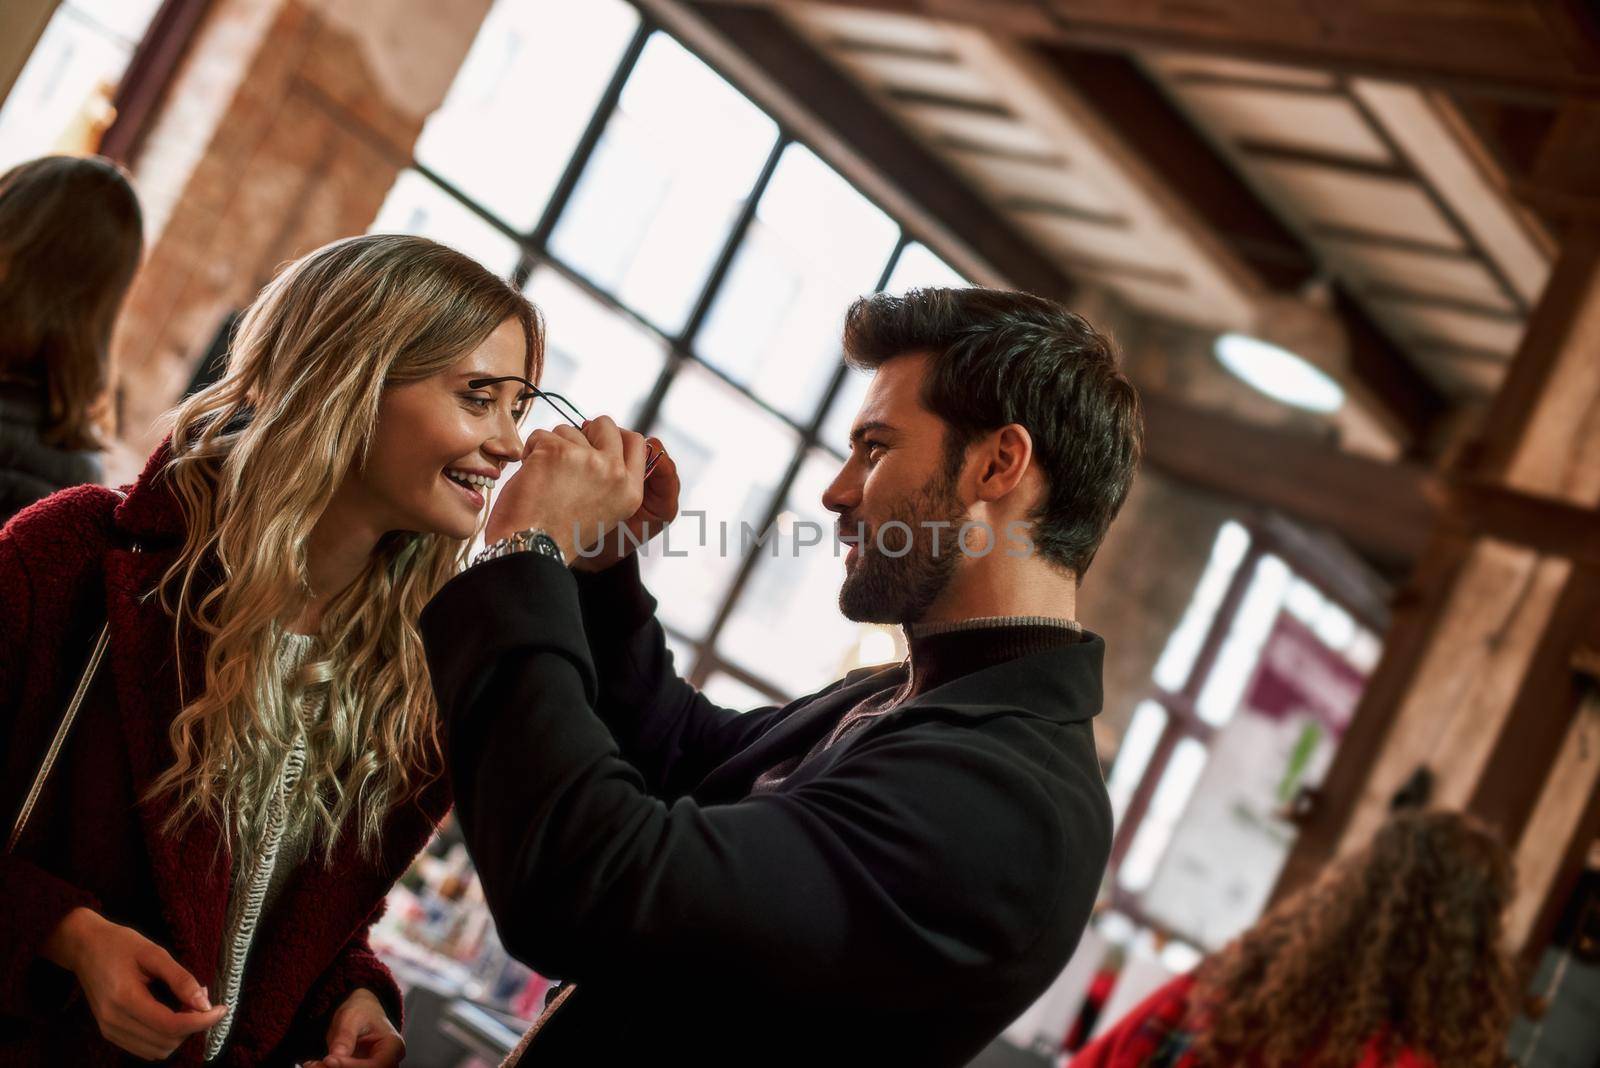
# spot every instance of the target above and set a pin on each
(473, 496)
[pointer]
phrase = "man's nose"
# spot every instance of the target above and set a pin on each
(843, 493)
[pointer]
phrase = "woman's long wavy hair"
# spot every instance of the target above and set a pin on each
(255, 459)
(1400, 943)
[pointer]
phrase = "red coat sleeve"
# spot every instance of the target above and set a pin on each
(35, 900)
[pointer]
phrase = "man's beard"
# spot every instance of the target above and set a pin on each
(900, 589)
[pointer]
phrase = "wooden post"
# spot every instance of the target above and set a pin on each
(1482, 679)
(21, 24)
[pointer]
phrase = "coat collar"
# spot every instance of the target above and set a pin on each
(151, 516)
(1062, 685)
(146, 662)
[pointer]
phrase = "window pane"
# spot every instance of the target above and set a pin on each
(787, 627)
(682, 655)
(915, 267)
(1177, 658)
(918, 267)
(1365, 648)
(599, 360)
(1166, 805)
(1335, 627)
(522, 98)
(814, 246)
(835, 430)
(667, 179)
(729, 692)
(730, 455)
(62, 95)
(1133, 754)
(1236, 662)
(417, 206)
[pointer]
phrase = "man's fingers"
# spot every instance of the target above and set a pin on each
(186, 988)
(571, 433)
(633, 453)
(603, 433)
(535, 439)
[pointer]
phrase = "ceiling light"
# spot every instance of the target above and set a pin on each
(1279, 373)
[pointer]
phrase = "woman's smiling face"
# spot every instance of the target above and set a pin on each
(439, 445)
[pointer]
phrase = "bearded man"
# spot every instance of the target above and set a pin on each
(888, 871)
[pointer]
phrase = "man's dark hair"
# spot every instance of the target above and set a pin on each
(998, 357)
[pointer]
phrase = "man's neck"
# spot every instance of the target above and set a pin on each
(996, 585)
(940, 652)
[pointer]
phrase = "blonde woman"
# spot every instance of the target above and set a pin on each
(258, 755)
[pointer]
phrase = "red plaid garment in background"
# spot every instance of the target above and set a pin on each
(1152, 1035)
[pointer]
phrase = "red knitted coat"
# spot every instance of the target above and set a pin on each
(65, 569)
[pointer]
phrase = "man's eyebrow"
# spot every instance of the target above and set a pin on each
(867, 428)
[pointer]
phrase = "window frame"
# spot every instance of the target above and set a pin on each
(679, 347)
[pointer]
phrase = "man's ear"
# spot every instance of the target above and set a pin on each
(1007, 456)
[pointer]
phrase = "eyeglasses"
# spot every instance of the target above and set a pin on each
(564, 408)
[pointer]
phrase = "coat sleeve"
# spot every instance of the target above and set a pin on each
(35, 900)
(854, 881)
(665, 727)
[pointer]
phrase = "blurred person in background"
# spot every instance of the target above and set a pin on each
(259, 757)
(71, 236)
(1393, 959)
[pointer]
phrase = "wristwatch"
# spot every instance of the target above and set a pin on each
(532, 540)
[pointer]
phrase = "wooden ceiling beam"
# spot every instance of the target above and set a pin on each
(1134, 106)
(1517, 49)
(768, 40)
(1385, 380)
(1384, 509)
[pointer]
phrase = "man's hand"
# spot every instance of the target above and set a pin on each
(658, 509)
(361, 1036)
(115, 966)
(573, 484)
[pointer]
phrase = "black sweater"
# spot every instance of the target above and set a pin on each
(899, 900)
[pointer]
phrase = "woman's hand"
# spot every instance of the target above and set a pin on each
(115, 966)
(361, 1036)
(658, 509)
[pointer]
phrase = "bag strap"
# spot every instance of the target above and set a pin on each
(64, 727)
(514, 1058)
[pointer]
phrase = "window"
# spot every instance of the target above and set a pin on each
(815, 246)
(61, 99)
(916, 266)
(666, 182)
(728, 460)
(417, 206)
(605, 363)
(693, 263)
(792, 601)
(1249, 698)
(522, 100)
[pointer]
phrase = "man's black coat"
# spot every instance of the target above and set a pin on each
(899, 900)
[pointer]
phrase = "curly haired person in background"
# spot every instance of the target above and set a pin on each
(1392, 958)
